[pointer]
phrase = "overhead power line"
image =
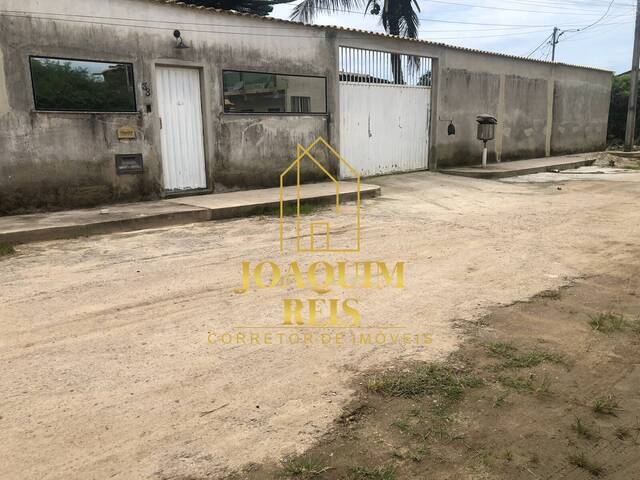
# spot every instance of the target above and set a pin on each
(538, 47)
(557, 33)
(563, 11)
(17, 13)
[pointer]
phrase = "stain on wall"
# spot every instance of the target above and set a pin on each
(525, 119)
(465, 95)
(578, 110)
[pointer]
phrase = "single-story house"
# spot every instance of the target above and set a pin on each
(104, 101)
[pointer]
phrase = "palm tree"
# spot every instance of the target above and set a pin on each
(398, 17)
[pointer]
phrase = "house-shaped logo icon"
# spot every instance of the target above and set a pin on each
(315, 236)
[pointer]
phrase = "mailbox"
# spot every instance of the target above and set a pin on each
(486, 127)
(486, 132)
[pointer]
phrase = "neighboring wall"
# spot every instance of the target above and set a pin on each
(66, 159)
(542, 108)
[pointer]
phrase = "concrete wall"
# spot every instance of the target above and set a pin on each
(56, 159)
(542, 108)
(580, 109)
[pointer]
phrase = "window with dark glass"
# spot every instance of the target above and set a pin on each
(82, 85)
(252, 92)
(300, 104)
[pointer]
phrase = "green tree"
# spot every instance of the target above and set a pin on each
(65, 85)
(398, 17)
(256, 7)
(618, 110)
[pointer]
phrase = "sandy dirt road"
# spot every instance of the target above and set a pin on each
(108, 372)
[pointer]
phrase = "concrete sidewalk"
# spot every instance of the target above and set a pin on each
(523, 167)
(177, 211)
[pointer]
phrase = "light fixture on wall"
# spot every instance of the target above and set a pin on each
(451, 128)
(179, 41)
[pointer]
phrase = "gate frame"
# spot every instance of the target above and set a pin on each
(432, 162)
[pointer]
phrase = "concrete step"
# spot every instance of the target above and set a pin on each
(40, 227)
(522, 167)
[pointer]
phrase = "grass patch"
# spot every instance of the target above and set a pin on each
(532, 359)
(423, 379)
(501, 349)
(291, 209)
(527, 384)
(303, 468)
(581, 461)
(402, 425)
(380, 472)
(418, 454)
(513, 359)
(607, 322)
(6, 249)
(500, 400)
(582, 430)
(633, 167)
(606, 405)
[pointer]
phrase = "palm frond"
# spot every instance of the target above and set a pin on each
(307, 10)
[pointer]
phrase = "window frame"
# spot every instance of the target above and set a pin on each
(277, 114)
(75, 110)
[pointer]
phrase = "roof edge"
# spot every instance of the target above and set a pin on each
(180, 3)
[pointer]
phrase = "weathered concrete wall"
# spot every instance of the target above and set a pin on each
(580, 103)
(67, 159)
(259, 148)
(523, 117)
(542, 108)
(480, 94)
(51, 159)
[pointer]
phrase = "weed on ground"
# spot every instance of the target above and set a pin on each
(607, 322)
(6, 249)
(581, 461)
(303, 468)
(291, 209)
(423, 379)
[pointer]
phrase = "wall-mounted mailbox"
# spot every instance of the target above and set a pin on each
(126, 133)
(486, 132)
(486, 127)
(129, 164)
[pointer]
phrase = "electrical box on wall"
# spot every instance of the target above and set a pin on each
(129, 164)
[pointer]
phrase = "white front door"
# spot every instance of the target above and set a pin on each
(182, 138)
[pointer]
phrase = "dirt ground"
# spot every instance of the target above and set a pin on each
(549, 388)
(108, 372)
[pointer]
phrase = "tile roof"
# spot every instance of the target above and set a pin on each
(179, 3)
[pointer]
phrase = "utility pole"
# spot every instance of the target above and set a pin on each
(554, 42)
(629, 136)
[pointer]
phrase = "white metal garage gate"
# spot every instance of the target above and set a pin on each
(385, 110)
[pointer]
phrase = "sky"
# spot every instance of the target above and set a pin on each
(518, 27)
